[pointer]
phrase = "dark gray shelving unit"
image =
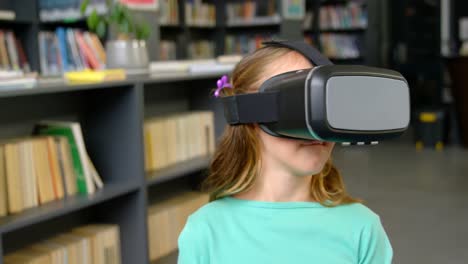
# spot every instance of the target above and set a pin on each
(112, 116)
(371, 37)
(177, 170)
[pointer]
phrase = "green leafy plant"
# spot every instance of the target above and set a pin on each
(117, 15)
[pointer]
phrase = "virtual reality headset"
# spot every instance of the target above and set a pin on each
(350, 104)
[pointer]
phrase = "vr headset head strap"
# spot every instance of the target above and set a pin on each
(311, 53)
(262, 107)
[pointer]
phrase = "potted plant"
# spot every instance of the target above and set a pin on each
(128, 50)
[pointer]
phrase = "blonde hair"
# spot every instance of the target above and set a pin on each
(236, 162)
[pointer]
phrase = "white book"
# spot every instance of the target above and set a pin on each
(7, 15)
(178, 65)
(214, 68)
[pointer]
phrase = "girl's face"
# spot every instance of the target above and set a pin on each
(298, 157)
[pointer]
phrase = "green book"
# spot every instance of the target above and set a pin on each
(72, 131)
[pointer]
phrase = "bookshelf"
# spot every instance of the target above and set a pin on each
(112, 116)
(336, 25)
(173, 33)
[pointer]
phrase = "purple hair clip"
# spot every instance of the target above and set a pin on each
(222, 83)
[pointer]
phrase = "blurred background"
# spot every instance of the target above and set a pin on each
(107, 123)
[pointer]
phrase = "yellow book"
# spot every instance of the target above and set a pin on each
(3, 187)
(90, 76)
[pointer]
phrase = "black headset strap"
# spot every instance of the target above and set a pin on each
(251, 108)
(263, 107)
(311, 53)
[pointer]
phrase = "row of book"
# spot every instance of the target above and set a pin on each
(52, 165)
(55, 10)
(198, 13)
(168, 12)
(167, 50)
(222, 65)
(96, 243)
(249, 10)
(243, 44)
(167, 219)
(350, 16)
(69, 49)
(341, 46)
(12, 55)
(175, 138)
(201, 49)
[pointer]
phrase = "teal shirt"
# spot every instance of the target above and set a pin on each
(235, 231)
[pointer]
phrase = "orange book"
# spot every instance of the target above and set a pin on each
(88, 53)
(57, 182)
(99, 48)
(43, 171)
(3, 51)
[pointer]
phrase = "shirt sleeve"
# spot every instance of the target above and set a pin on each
(192, 249)
(374, 245)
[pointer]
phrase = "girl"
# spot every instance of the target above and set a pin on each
(277, 200)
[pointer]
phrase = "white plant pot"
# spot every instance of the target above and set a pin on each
(127, 54)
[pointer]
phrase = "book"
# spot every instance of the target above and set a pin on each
(7, 15)
(18, 83)
(66, 166)
(57, 178)
(11, 49)
(66, 49)
(88, 76)
(201, 49)
(14, 179)
(94, 243)
(167, 218)
(178, 137)
(32, 172)
(177, 65)
(3, 187)
(72, 131)
(28, 174)
(198, 13)
(168, 12)
(104, 240)
(45, 182)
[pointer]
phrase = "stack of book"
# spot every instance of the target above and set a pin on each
(12, 55)
(340, 46)
(40, 169)
(176, 138)
(55, 10)
(201, 49)
(198, 13)
(14, 65)
(17, 79)
(168, 12)
(167, 219)
(251, 10)
(69, 50)
(350, 16)
(167, 50)
(244, 44)
(98, 243)
(222, 64)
